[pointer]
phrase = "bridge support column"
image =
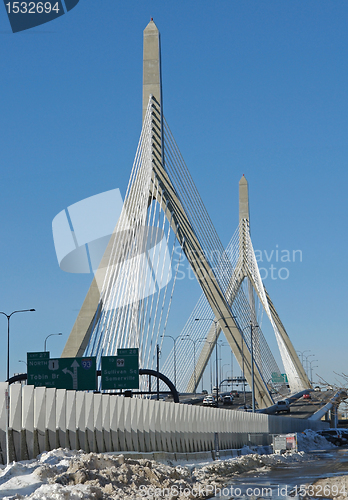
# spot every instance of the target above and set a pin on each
(334, 417)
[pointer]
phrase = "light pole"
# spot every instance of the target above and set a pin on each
(48, 337)
(21, 361)
(309, 356)
(311, 368)
(186, 337)
(174, 340)
(252, 365)
(8, 316)
(222, 369)
(211, 378)
(302, 353)
(216, 351)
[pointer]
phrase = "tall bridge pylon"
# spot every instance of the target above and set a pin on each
(245, 268)
(120, 309)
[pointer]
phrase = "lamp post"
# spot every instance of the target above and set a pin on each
(222, 369)
(216, 350)
(252, 367)
(311, 368)
(186, 337)
(309, 356)
(174, 340)
(8, 316)
(302, 353)
(48, 337)
(211, 377)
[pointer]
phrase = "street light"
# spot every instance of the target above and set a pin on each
(309, 356)
(164, 336)
(211, 376)
(252, 365)
(302, 353)
(48, 337)
(216, 351)
(8, 316)
(311, 369)
(222, 369)
(186, 337)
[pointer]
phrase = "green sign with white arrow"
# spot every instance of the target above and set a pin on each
(77, 374)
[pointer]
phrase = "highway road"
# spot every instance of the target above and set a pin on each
(302, 408)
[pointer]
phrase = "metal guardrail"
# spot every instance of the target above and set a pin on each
(335, 400)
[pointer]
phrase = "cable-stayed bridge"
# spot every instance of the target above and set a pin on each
(129, 301)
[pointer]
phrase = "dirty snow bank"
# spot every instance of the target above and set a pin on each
(63, 474)
(309, 440)
(330, 487)
(71, 475)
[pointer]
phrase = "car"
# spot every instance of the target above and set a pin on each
(234, 394)
(283, 405)
(209, 401)
(317, 388)
(334, 436)
(227, 400)
(307, 396)
(204, 391)
(329, 388)
(244, 408)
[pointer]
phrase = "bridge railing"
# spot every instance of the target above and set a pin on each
(43, 419)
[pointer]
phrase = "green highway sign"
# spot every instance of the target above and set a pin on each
(62, 373)
(279, 378)
(122, 371)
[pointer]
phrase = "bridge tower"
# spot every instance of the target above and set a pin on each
(162, 188)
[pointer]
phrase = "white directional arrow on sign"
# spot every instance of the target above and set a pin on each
(75, 366)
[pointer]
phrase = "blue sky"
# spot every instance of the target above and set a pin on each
(254, 87)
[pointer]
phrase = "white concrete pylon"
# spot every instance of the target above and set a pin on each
(164, 191)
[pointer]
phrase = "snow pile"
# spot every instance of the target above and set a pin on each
(218, 471)
(71, 475)
(309, 440)
(330, 487)
(64, 474)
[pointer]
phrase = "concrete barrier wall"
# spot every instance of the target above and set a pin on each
(44, 419)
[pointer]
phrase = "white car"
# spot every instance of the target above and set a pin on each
(283, 405)
(209, 401)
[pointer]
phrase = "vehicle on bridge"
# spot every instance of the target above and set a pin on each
(307, 396)
(209, 401)
(227, 400)
(283, 405)
(245, 408)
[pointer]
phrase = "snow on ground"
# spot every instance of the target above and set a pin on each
(309, 440)
(64, 474)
